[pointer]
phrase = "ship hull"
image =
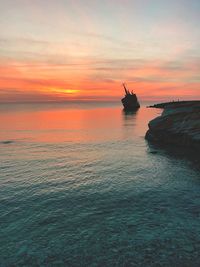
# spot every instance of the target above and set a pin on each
(130, 104)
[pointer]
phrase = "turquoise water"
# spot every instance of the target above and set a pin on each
(80, 186)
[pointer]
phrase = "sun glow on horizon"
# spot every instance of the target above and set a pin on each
(64, 91)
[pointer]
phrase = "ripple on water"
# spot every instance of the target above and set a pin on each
(99, 202)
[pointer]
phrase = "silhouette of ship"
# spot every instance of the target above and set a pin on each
(130, 101)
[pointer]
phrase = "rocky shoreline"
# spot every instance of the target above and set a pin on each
(179, 125)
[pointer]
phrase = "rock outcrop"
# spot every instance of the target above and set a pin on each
(130, 101)
(179, 124)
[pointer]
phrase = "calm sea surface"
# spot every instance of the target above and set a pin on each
(80, 186)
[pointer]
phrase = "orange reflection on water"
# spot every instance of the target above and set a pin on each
(80, 123)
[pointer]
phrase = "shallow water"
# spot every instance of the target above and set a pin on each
(80, 186)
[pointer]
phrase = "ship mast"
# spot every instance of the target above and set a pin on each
(126, 91)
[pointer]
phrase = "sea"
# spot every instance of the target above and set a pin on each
(81, 187)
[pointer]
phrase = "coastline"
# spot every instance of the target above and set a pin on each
(178, 125)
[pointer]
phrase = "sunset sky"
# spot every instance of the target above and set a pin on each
(84, 49)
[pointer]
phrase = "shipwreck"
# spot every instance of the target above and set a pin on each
(130, 101)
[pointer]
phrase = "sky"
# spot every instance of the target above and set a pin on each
(57, 50)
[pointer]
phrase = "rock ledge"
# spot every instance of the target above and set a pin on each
(179, 125)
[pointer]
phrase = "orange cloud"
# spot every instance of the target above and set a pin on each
(99, 79)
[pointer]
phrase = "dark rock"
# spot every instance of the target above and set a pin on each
(179, 124)
(7, 142)
(153, 152)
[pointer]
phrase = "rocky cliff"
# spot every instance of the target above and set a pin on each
(179, 125)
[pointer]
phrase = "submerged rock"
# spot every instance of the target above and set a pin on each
(7, 142)
(130, 101)
(179, 124)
